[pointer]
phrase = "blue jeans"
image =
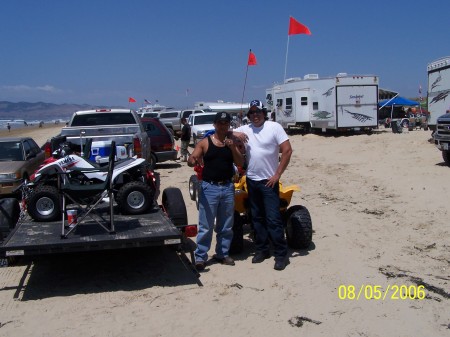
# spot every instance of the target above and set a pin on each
(266, 218)
(216, 203)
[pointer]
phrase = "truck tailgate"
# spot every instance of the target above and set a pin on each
(36, 238)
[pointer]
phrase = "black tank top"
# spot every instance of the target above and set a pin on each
(218, 163)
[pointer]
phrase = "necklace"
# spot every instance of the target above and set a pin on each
(218, 140)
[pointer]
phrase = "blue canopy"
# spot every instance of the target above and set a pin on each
(397, 101)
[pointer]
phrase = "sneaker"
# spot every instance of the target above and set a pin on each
(280, 264)
(200, 265)
(260, 257)
(228, 261)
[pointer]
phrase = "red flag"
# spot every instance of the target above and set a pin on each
(296, 27)
(131, 100)
(251, 59)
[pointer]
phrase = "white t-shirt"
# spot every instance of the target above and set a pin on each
(263, 148)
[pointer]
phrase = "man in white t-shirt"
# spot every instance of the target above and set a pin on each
(265, 141)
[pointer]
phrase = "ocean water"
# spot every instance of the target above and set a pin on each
(21, 123)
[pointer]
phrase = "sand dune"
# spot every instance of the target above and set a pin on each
(380, 210)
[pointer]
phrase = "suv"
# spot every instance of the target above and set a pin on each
(200, 124)
(442, 136)
(161, 141)
(19, 158)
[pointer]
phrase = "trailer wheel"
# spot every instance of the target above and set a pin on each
(237, 244)
(446, 157)
(298, 227)
(135, 197)
(44, 203)
(193, 186)
(173, 203)
(9, 215)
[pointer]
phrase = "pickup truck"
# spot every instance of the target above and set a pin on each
(172, 119)
(104, 125)
(442, 136)
(200, 124)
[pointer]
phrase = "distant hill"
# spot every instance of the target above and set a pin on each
(41, 110)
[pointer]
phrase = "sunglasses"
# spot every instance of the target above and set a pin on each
(255, 111)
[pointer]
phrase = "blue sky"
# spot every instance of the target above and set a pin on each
(101, 52)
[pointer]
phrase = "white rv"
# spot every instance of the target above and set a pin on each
(342, 102)
(438, 89)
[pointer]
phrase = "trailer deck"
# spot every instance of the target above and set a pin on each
(38, 238)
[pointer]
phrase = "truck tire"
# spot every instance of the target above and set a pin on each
(9, 215)
(298, 227)
(135, 197)
(193, 185)
(446, 157)
(174, 206)
(237, 244)
(44, 203)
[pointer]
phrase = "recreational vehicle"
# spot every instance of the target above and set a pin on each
(438, 89)
(343, 102)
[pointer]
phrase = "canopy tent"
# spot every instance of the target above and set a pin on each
(397, 100)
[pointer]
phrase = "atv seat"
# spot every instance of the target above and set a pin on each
(87, 197)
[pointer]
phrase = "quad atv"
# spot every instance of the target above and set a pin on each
(135, 185)
(297, 220)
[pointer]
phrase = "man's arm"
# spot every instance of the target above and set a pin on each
(196, 157)
(286, 152)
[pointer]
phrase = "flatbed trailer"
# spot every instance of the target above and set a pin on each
(39, 238)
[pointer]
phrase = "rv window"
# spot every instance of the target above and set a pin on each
(315, 105)
(289, 103)
(304, 101)
(279, 102)
(269, 97)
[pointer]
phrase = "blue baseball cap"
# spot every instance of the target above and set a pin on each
(256, 104)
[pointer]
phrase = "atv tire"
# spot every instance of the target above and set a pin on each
(44, 203)
(174, 206)
(298, 227)
(193, 186)
(135, 197)
(446, 157)
(237, 244)
(9, 215)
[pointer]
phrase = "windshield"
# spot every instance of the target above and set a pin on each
(204, 119)
(11, 151)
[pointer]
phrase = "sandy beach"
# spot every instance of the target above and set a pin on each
(380, 210)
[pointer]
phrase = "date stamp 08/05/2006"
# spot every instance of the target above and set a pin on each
(377, 292)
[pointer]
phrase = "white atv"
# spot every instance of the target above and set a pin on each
(135, 185)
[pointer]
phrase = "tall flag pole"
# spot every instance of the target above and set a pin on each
(295, 28)
(420, 97)
(250, 62)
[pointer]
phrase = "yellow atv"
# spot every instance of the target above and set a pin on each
(297, 220)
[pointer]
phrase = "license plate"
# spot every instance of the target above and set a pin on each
(445, 146)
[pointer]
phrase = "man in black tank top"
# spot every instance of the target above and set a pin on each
(216, 154)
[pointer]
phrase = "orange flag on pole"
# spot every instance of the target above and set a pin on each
(251, 59)
(296, 27)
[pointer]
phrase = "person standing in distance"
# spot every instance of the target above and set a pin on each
(185, 138)
(216, 153)
(265, 141)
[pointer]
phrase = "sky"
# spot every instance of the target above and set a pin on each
(178, 52)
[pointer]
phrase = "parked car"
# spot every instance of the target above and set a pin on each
(19, 158)
(200, 124)
(161, 141)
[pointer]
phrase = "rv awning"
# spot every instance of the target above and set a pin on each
(397, 101)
